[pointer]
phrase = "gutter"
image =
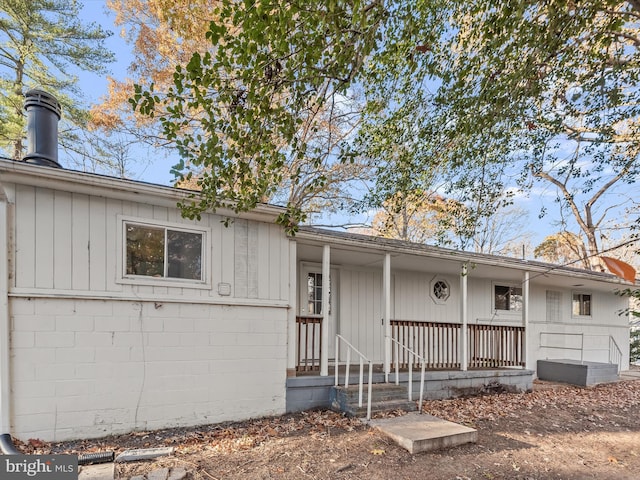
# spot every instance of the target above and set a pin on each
(6, 444)
(320, 236)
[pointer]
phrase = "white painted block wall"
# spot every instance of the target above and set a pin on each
(89, 368)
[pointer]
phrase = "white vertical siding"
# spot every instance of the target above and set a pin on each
(216, 244)
(413, 300)
(73, 242)
(253, 260)
(279, 256)
(263, 242)
(79, 237)
(241, 256)
(62, 267)
(112, 244)
(98, 245)
(480, 302)
(44, 251)
(228, 255)
(25, 237)
(360, 307)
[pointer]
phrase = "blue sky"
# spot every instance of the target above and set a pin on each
(155, 170)
(93, 85)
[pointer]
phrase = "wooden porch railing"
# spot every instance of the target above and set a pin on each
(438, 343)
(488, 346)
(492, 346)
(309, 333)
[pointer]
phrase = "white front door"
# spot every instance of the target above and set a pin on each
(311, 290)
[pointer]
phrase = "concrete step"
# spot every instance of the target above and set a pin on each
(379, 391)
(353, 410)
(385, 398)
(422, 433)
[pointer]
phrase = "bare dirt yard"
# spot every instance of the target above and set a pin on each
(557, 431)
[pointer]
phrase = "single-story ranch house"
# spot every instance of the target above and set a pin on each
(117, 314)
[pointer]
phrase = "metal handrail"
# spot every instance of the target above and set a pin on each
(617, 352)
(363, 359)
(580, 349)
(615, 356)
(397, 345)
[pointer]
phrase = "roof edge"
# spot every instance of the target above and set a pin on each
(400, 246)
(112, 187)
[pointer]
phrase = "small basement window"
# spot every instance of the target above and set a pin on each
(507, 297)
(163, 252)
(581, 305)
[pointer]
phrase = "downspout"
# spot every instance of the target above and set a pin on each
(6, 444)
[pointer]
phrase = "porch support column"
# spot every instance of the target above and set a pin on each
(525, 320)
(464, 318)
(292, 344)
(326, 283)
(386, 320)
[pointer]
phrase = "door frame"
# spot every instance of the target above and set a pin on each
(332, 320)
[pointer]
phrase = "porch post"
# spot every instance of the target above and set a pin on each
(525, 319)
(464, 293)
(326, 282)
(293, 309)
(386, 320)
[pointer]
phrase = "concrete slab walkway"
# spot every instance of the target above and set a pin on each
(106, 471)
(631, 374)
(422, 432)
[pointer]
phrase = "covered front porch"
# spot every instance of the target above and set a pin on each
(402, 311)
(396, 305)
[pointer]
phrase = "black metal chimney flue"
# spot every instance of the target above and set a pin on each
(43, 113)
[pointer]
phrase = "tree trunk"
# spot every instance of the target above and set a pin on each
(17, 89)
(593, 251)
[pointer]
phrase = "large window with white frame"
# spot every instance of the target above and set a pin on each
(163, 252)
(507, 298)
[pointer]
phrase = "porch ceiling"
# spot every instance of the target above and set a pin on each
(486, 267)
(341, 256)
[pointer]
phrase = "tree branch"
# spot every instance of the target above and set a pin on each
(610, 183)
(635, 5)
(567, 195)
(617, 12)
(628, 36)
